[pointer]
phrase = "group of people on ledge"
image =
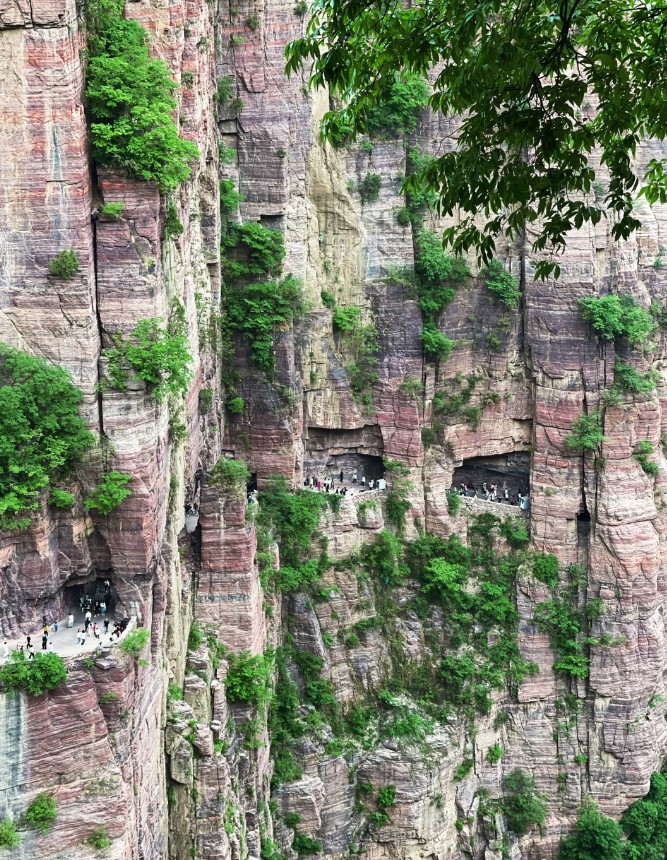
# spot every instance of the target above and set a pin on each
(491, 493)
(328, 485)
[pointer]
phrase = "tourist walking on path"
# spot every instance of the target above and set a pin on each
(70, 620)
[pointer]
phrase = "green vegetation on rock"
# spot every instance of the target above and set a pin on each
(369, 187)
(130, 101)
(642, 834)
(257, 310)
(587, 434)
(9, 838)
(229, 475)
(112, 210)
(437, 346)
(642, 455)
(111, 491)
(502, 286)
(41, 813)
(630, 379)
(99, 839)
(45, 671)
(159, 356)
(522, 805)
(42, 436)
(613, 317)
(249, 678)
(258, 250)
(437, 274)
(135, 641)
(64, 266)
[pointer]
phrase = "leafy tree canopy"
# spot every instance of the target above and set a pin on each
(45, 671)
(523, 75)
(594, 836)
(42, 435)
(130, 101)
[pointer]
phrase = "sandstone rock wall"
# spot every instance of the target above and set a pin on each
(169, 778)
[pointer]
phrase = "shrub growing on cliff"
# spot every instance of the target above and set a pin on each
(293, 518)
(346, 318)
(502, 286)
(631, 380)
(109, 493)
(364, 341)
(494, 753)
(397, 108)
(515, 532)
(45, 671)
(61, 499)
(42, 812)
(158, 356)
(383, 559)
(642, 454)
(594, 836)
(645, 823)
(249, 678)
(437, 346)
(586, 434)
(9, 838)
(256, 310)
(172, 223)
(453, 503)
(229, 475)
(64, 266)
(615, 316)
(563, 625)
(522, 805)
(135, 641)
(262, 248)
(545, 568)
(369, 187)
(130, 101)
(305, 845)
(42, 436)
(235, 405)
(112, 210)
(397, 503)
(99, 839)
(437, 273)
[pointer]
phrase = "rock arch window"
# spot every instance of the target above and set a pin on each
(511, 470)
(330, 451)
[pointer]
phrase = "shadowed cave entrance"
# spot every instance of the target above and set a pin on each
(330, 451)
(510, 470)
(86, 595)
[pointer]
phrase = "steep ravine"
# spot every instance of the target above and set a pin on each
(156, 750)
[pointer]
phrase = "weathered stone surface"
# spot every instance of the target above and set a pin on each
(96, 751)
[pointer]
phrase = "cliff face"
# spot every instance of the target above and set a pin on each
(172, 777)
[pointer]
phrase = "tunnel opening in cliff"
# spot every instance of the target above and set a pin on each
(90, 594)
(328, 452)
(511, 471)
